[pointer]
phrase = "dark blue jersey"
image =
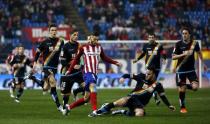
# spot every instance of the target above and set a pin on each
(50, 49)
(23, 61)
(153, 53)
(186, 63)
(68, 53)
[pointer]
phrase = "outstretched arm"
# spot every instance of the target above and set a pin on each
(105, 58)
(139, 57)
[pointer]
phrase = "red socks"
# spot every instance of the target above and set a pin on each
(77, 103)
(93, 100)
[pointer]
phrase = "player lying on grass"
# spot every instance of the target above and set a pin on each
(154, 55)
(139, 97)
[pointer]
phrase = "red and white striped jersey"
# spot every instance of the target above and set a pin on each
(91, 56)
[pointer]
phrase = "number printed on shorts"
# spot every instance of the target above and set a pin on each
(63, 85)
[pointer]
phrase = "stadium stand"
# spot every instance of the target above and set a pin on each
(131, 19)
(16, 14)
(110, 19)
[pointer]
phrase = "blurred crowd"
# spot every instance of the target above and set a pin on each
(110, 19)
(15, 14)
(132, 19)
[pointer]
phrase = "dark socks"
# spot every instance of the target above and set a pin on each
(165, 100)
(182, 99)
(109, 106)
(20, 92)
(55, 96)
(189, 86)
(65, 100)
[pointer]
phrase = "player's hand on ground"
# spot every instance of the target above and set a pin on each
(121, 80)
(172, 108)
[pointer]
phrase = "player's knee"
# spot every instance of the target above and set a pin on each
(92, 87)
(182, 88)
(52, 81)
(21, 86)
(139, 112)
(82, 84)
(195, 86)
(17, 86)
(87, 97)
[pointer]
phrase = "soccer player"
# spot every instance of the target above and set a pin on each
(153, 52)
(91, 53)
(9, 59)
(19, 63)
(184, 52)
(50, 48)
(139, 97)
(68, 53)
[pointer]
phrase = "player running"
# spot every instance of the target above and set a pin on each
(68, 53)
(11, 83)
(91, 53)
(19, 63)
(184, 52)
(50, 48)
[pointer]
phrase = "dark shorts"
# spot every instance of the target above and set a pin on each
(66, 82)
(18, 80)
(89, 78)
(182, 77)
(134, 102)
(159, 88)
(157, 73)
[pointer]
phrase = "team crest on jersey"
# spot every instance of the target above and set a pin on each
(51, 48)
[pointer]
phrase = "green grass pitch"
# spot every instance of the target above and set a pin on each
(36, 108)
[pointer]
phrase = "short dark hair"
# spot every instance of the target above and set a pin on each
(19, 45)
(152, 68)
(187, 29)
(151, 32)
(52, 25)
